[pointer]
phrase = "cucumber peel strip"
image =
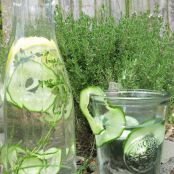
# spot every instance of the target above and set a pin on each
(95, 124)
(106, 127)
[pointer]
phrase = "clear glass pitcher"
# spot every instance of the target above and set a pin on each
(38, 103)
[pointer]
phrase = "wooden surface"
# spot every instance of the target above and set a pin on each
(116, 8)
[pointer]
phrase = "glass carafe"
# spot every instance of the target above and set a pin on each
(38, 103)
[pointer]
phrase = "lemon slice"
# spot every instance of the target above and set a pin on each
(33, 48)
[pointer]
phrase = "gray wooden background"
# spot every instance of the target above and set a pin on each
(116, 8)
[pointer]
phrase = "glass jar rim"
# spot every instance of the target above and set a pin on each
(134, 95)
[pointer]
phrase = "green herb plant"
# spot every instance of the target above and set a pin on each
(89, 48)
(131, 52)
(147, 58)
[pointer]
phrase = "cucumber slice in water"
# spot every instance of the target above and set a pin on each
(25, 89)
(114, 123)
(31, 165)
(33, 48)
(141, 147)
(54, 163)
(4, 157)
(9, 155)
(53, 157)
(8, 98)
(95, 124)
(131, 122)
(106, 127)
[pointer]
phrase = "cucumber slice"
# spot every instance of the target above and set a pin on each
(124, 134)
(4, 157)
(8, 98)
(55, 112)
(12, 155)
(95, 123)
(157, 130)
(9, 155)
(50, 116)
(131, 122)
(114, 123)
(141, 147)
(31, 165)
(25, 89)
(48, 153)
(149, 122)
(54, 163)
(53, 157)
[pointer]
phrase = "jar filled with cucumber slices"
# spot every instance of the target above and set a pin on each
(38, 104)
(129, 128)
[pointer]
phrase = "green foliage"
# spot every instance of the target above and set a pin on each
(89, 48)
(147, 58)
(131, 52)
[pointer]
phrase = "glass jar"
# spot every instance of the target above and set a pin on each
(133, 134)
